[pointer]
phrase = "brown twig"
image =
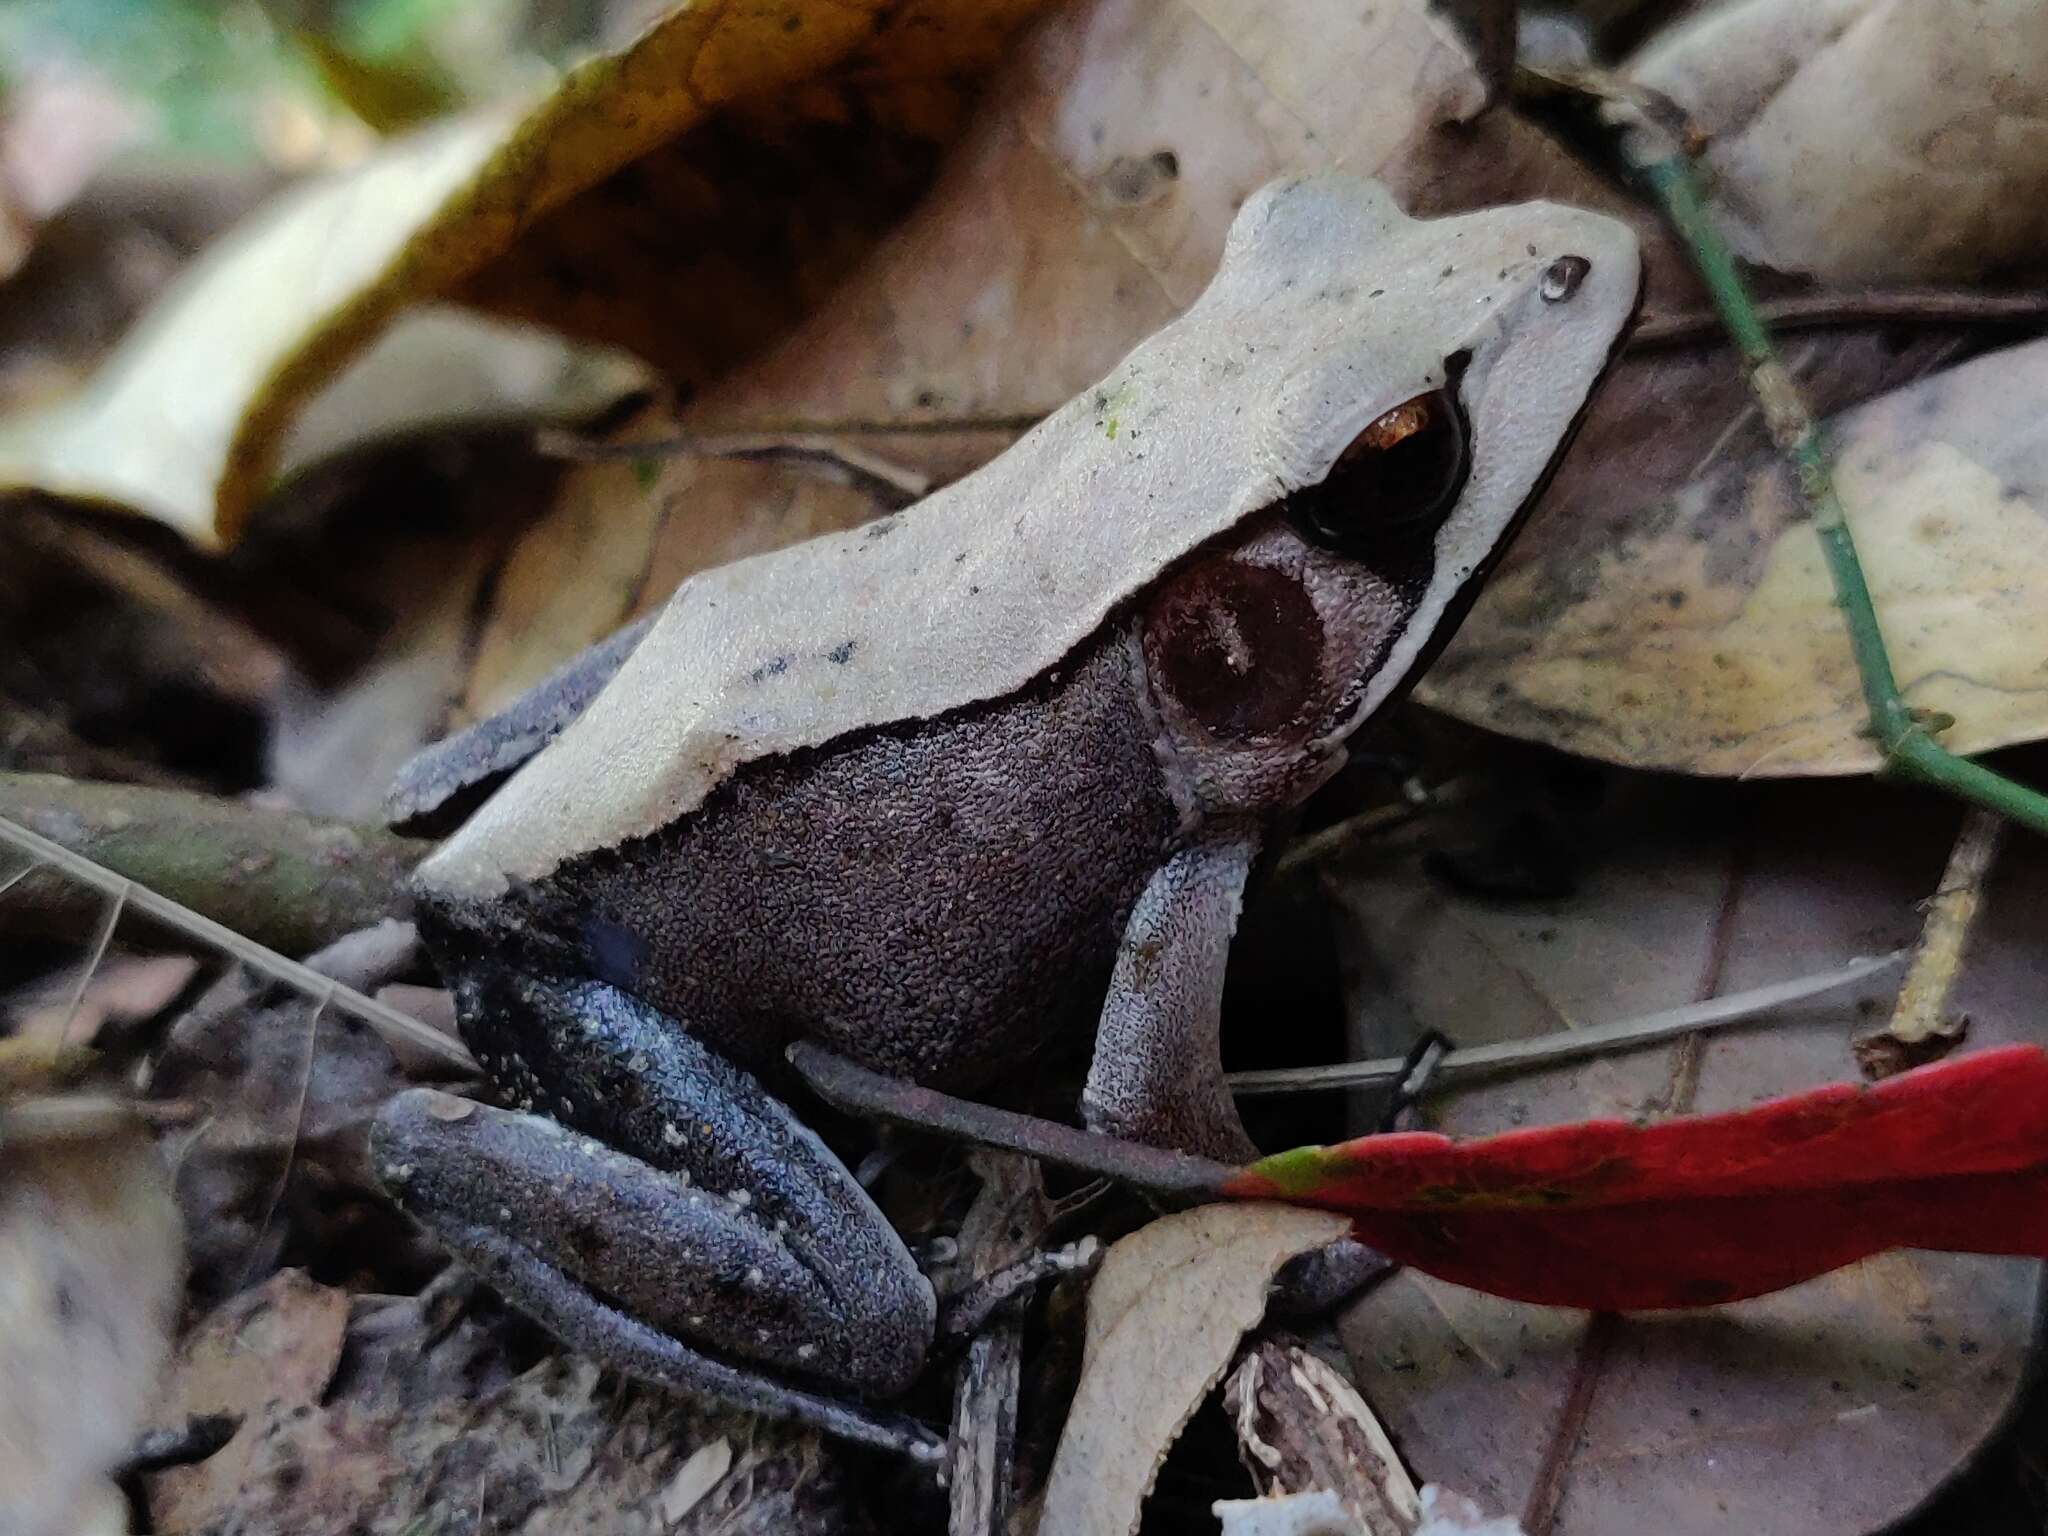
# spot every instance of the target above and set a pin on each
(1847, 307)
(893, 485)
(1921, 1027)
(858, 1091)
(1008, 1219)
(289, 882)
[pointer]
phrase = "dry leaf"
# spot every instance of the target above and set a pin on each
(1704, 637)
(90, 1265)
(1872, 140)
(1302, 1427)
(428, 1428)
(1084, 208)
(193, 416)
(1164, 1317)
(1823, 1410)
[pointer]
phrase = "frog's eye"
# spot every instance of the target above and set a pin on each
(1395, 483)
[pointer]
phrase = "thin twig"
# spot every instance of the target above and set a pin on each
(1921, 1027)
(1901, 732)
(387, 1021)
(1548, 1050)
(856, 1090)
(1847, 307)
(893, 485)
(1341, 839)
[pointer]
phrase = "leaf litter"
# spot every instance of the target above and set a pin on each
(1145, 207)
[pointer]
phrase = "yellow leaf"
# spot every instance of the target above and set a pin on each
(1707, 639)
(188, 420)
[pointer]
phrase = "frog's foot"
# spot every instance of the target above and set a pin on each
(685, 1204)
(626, 1242)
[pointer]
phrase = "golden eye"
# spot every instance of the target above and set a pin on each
(1396, 482)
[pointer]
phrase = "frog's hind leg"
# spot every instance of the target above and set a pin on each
(679, 1202)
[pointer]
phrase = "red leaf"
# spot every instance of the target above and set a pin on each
(1710, 1208)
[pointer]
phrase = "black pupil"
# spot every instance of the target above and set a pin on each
(1395, 484)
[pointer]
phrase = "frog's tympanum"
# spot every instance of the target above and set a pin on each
(933, 790)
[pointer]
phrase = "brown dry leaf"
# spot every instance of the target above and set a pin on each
(428, 1428)
(1302, 1428)
(123, 989)
(209, 398)
(90, 1265)
(617, 541)
(1164, 1317)
(1871, 140)
(1084, 207)
(1702, 633)
(1825, 1410)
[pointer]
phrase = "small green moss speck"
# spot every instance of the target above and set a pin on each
(645, 473)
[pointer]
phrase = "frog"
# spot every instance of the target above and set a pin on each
(944, 788)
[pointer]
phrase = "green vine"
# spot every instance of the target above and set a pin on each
(1904, 735)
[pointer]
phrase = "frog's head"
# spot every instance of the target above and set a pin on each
(1400, 390)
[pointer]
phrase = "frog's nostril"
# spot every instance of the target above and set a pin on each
(1562, 277)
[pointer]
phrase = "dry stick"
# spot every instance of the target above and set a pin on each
(1851, 306)
(387, 1021)
(1920, 1027)
(981, 1450)
(893, 484)
(291, 882)
(1903, 737)
(1547, 1050)
(1008, 1217)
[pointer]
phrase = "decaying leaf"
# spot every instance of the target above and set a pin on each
(194, 415)
(431, 1426)
(1084, 207)
(1302, 1429)
(1704, 636)
(90, 1271)
(1822, 1410)
(1164, 1317)
(1871, 140)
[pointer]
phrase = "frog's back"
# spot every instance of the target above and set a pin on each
(926, 900)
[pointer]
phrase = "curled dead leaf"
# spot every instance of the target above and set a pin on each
(1164, 1317)
(197, 411)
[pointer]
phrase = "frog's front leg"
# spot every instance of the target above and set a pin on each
(669, 1198)
(1157, 1075)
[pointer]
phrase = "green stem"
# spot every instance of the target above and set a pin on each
(1901, 736)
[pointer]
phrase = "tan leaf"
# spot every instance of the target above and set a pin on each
(1083, 208)
(1823, 1410)
(1870, 139)
(1704, 636)
(90, 1277)
(190, 419)
(1164, 1318)
(265, 1356)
